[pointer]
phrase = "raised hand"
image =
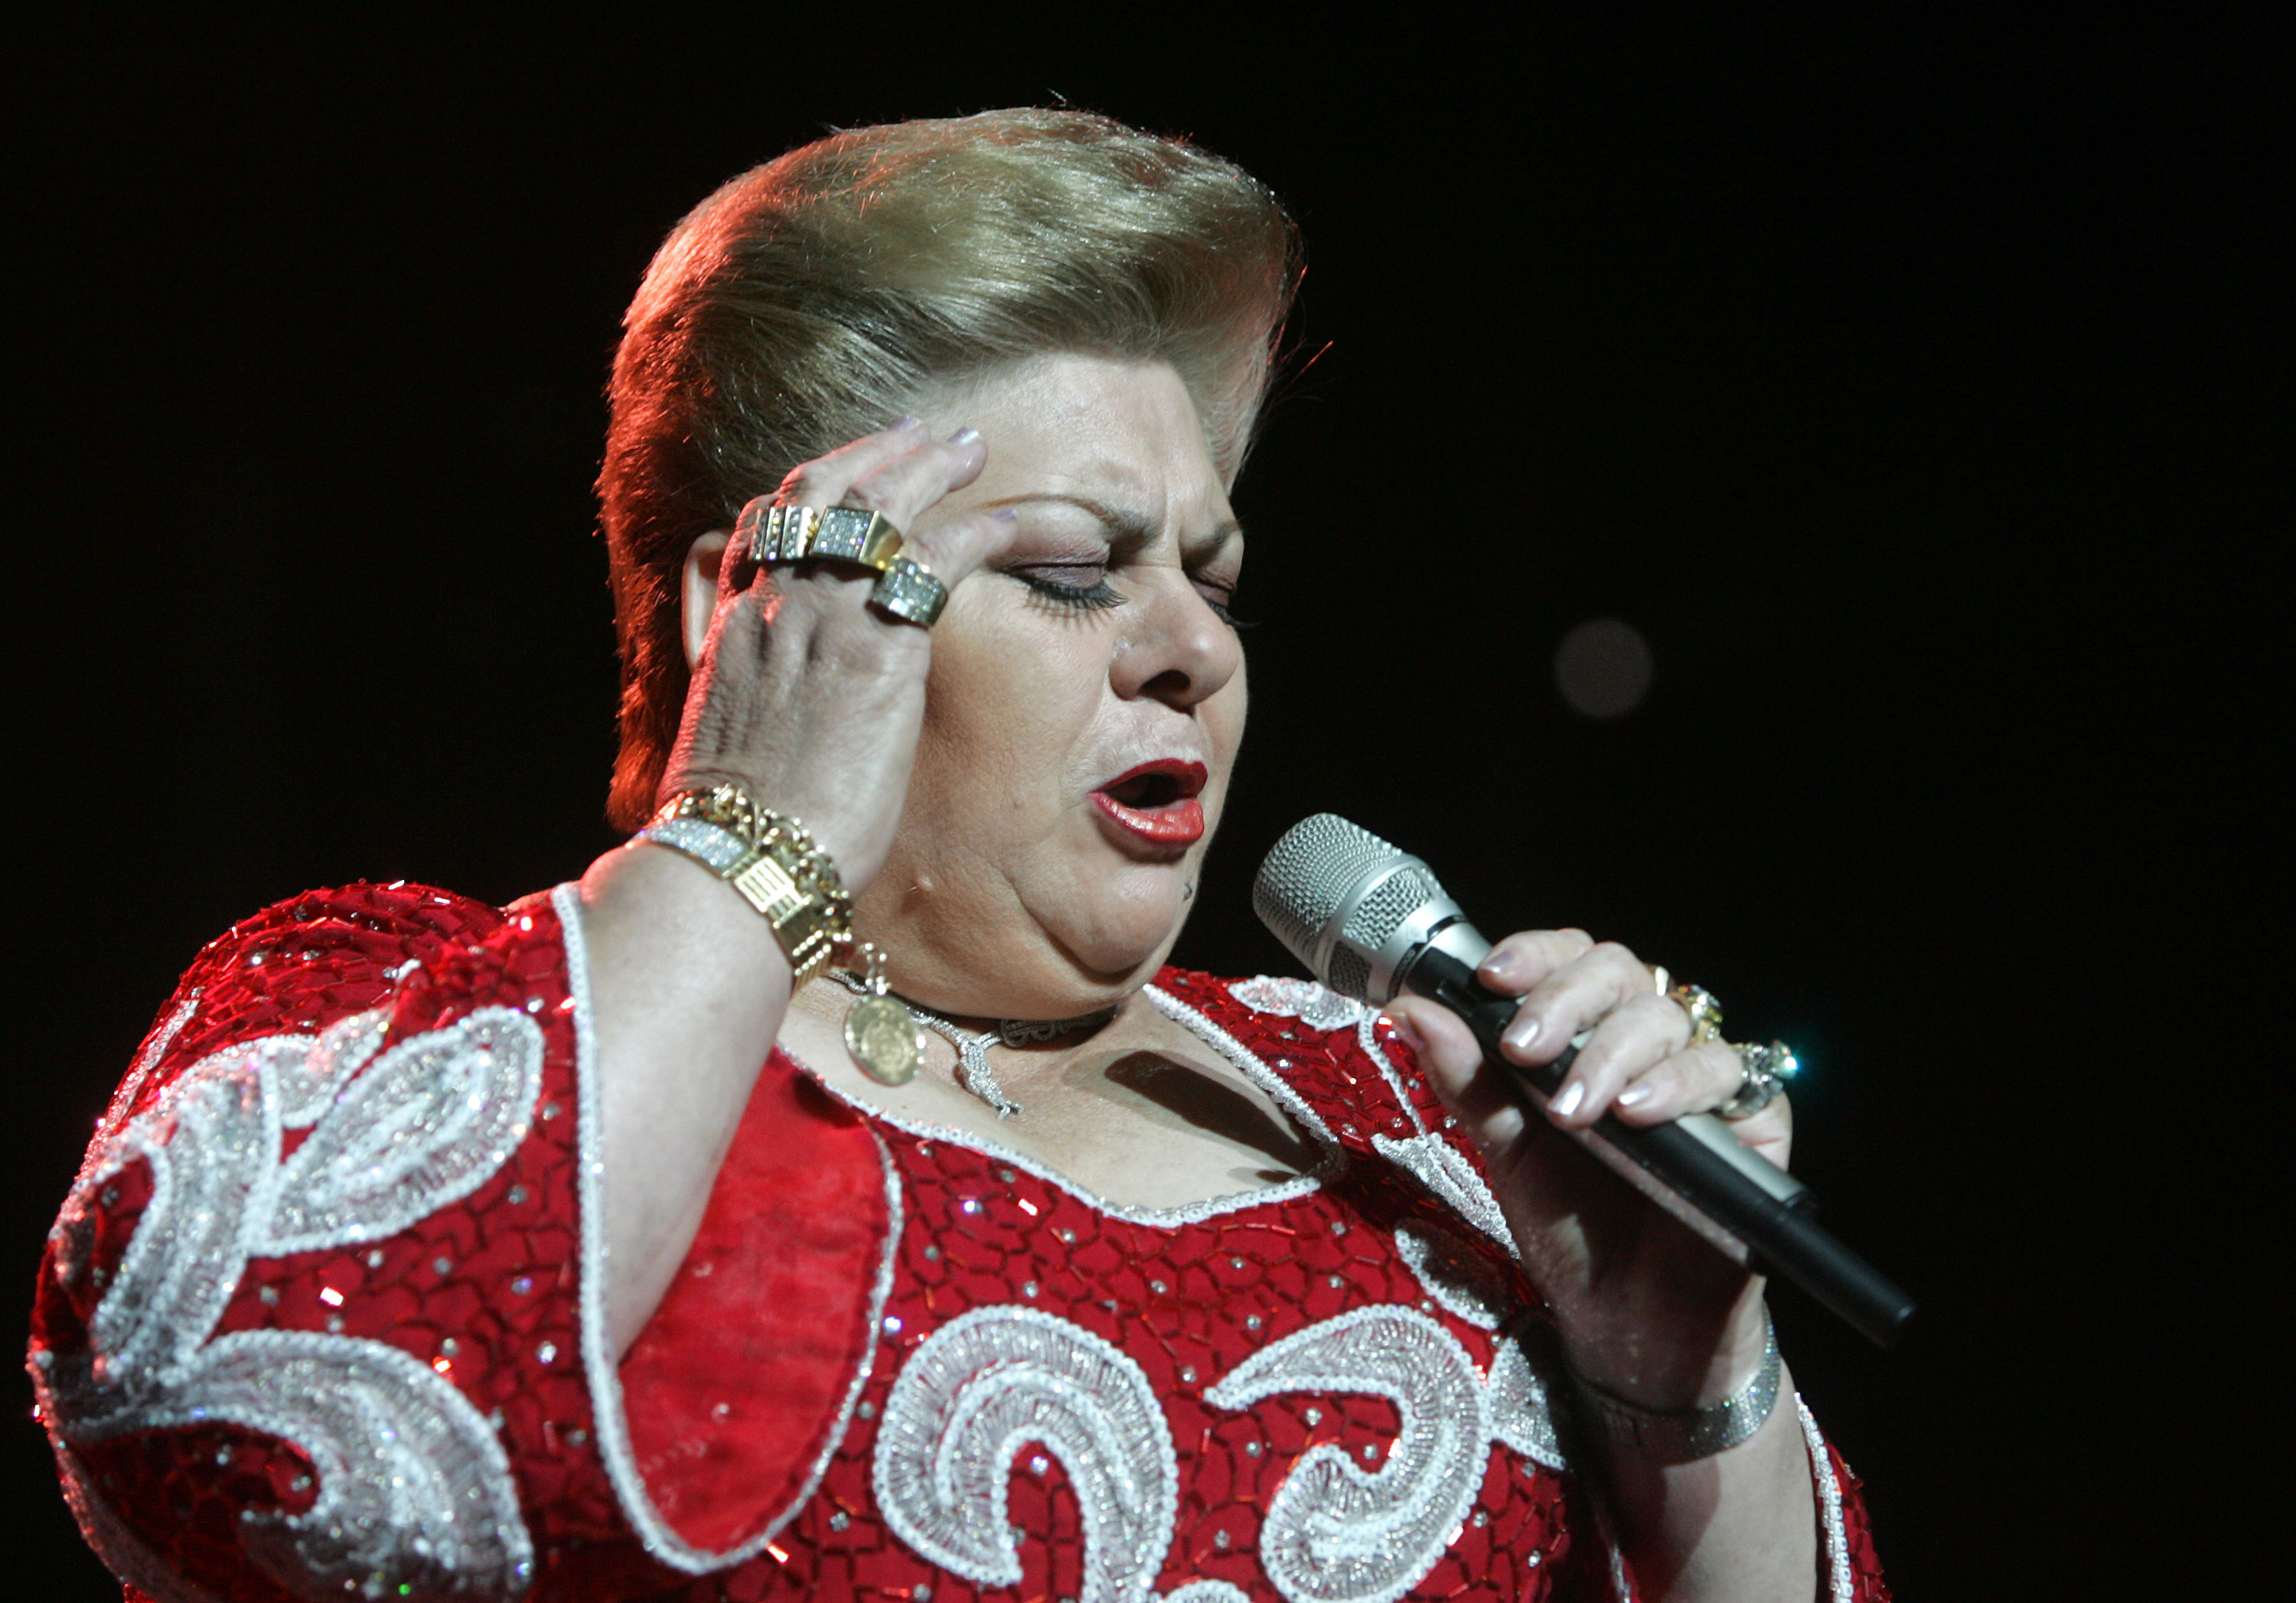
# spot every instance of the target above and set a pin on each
(803, 693)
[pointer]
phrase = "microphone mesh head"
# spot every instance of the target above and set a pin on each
(1303, 895)
(1392, 900)
(1305, 874)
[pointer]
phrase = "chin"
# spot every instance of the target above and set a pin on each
(1123, 939)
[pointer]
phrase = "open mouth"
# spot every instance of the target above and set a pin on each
(1156, 802)
(1157, 784)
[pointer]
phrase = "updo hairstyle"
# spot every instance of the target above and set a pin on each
(810, 300)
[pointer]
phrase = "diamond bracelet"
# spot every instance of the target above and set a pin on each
(1684, 1437)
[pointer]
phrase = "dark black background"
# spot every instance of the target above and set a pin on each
(1908, 384)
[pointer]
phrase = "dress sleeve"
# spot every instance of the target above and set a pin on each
(1847, 1561)
(310, 1320)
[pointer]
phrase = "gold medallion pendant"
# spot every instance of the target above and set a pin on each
(881, 1035)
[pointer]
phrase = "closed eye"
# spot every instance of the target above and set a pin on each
(1083, 585)
(1221, 599)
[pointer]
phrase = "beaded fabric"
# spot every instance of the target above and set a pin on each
(897, 1362)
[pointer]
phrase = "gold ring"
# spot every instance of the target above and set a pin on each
(909, 591)
(1705, 1012)
(767, 533)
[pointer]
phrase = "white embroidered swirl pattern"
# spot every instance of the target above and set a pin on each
(986, 1384)
(415, 1496)
(1334, 1533)
(1463, 1284)
(421, 1126)
(1522, 1417)
(1448, 1176)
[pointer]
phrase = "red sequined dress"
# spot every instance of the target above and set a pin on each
(322, 1318)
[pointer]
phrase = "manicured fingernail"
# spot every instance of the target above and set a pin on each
(964, 436)
(1567, 1104)
(1499, 967)
(1521, 1032)
(903, 421)
(1005, 514)
(1635, 1096)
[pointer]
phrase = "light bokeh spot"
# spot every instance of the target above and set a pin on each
(1603, 669)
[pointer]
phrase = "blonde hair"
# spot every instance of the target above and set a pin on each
(810, 300)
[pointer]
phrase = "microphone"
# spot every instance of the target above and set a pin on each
(1370, 920)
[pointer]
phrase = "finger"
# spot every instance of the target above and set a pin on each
(954, 549)
(1454, 1062)
(823, 482)
(906, 487)
(1575, 995)
(1628, 1040)
(831, 599)
(1522, 959)
(1771, 1131)
(903, 475)
(1692, 1080)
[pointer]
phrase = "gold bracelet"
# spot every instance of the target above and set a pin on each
(772, 860)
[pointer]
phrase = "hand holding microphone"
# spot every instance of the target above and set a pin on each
(1372, 922)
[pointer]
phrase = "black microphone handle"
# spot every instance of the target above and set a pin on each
(1773, 1234)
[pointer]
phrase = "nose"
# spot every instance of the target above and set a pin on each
(1179, 651)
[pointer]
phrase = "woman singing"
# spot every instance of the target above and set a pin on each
(833, 1194)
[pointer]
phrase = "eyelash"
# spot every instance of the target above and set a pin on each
(1096, 597)
(1084, 598)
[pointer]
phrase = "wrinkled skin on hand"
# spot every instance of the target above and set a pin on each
(1647, 1309)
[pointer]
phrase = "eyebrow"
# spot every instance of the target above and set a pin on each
(1129, 531)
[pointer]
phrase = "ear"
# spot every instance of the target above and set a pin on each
(697, 590)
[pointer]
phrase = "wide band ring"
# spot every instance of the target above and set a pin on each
(768, 533)
(1767, 1069)
(1705, 1011)
(908, 591)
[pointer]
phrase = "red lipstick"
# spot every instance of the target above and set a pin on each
(1156, 802)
